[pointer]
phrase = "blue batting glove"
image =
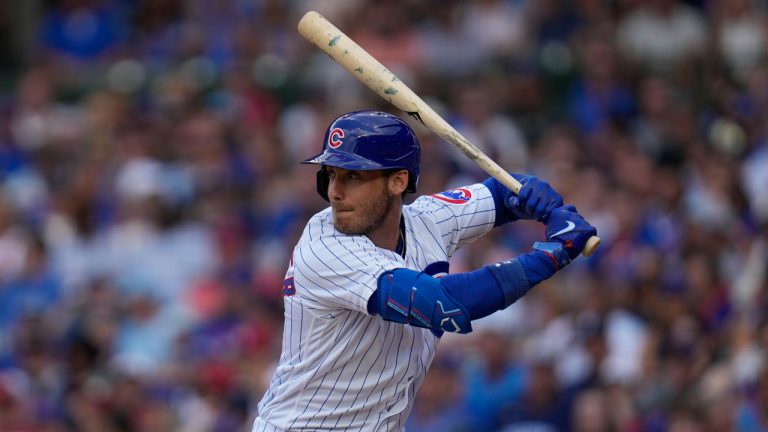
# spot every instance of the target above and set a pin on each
(537, 199)
(567, 227)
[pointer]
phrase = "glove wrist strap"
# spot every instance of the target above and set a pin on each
(555, 251)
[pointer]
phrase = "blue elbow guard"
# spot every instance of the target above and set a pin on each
(410, 297)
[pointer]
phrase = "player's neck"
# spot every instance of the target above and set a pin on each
(387, 236)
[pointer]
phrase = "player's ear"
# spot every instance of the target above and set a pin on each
(398, 181)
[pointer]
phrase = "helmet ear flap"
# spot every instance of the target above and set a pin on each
(412, 182)
(322, 183)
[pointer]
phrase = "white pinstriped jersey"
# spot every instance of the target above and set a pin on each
(341, 368)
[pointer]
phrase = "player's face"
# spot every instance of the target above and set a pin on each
(360, 200)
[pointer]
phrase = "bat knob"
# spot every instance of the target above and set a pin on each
(591, 247)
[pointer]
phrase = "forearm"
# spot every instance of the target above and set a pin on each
(496, 286)
(410, 297)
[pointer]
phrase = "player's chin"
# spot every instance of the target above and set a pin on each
(346, 223)
(346, 229)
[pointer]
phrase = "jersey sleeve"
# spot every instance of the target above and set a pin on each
(460, 215)
(337, 271)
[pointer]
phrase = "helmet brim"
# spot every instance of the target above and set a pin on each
(345, 160)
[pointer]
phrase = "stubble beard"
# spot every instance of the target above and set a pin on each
(373, 214)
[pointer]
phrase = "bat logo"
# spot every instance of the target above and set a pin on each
(334, 138)
(454, 196)
(416, 115)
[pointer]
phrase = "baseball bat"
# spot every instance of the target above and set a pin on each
(383, 82)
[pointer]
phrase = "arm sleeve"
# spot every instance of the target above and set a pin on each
(491, 288)
(498, 193)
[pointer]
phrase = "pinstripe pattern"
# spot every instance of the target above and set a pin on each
(342, 369)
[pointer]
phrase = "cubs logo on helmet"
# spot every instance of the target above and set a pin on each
(454, 196)
(334, 137)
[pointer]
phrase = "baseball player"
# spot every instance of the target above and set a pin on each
(367, 291)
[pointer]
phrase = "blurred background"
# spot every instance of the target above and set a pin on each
(150, 196)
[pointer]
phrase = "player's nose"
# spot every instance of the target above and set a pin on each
(335, 190)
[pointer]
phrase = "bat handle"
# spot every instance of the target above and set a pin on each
(507, 180)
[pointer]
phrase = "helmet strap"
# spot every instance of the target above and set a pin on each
(323, 180)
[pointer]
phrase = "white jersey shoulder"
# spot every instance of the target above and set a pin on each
(460, 215)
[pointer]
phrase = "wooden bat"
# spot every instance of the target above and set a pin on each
(378, 78)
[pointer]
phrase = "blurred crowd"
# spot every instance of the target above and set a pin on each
(150, 197)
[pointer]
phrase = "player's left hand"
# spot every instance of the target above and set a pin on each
(536, 200)
(567, 227)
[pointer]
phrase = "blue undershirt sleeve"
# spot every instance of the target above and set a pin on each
(478, 291)
(498, 192)
(496, 286)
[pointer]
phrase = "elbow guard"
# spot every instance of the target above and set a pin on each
(416, 298)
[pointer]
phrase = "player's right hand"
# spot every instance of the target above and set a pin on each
(568, 227)
(536, 200)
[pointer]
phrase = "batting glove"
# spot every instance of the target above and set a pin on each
(537, 199)
(568, 230)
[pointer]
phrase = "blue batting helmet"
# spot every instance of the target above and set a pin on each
(367, 141)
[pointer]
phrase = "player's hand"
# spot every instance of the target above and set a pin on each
(567, 227)
(536, 200)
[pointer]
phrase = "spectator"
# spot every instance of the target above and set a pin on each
(662, 35)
